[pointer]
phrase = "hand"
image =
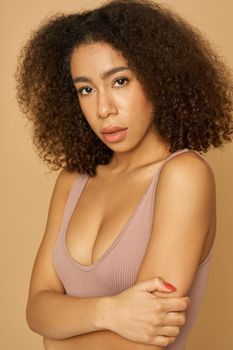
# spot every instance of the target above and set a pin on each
(140, 316)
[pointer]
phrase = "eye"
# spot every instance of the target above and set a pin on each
(80, 91)
(122, 79)
(86, 90)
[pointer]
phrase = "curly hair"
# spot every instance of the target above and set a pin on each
(188, 83)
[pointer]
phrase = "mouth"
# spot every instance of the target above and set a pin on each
(113, 132)
(112, 129)
(115, 136)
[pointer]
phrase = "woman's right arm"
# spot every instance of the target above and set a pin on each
(50, 312)
(55, 315)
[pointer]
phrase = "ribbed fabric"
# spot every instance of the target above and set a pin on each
(117, 268)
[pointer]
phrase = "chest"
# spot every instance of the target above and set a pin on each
(101, 212)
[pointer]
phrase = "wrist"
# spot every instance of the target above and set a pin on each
(105, 313)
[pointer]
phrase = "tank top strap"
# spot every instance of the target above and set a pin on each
(172, 155)
(181, 151)
(74, 194)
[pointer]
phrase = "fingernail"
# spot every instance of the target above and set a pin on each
(169, 286)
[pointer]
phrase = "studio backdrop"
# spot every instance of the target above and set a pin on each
(26, 183)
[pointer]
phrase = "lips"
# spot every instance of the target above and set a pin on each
(112, 129)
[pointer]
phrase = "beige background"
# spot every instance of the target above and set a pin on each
(27, 185)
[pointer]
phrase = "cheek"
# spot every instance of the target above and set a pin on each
(87, 109)
(142, 108)
(138, 100)
(87, 113)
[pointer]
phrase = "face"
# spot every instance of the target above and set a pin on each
(110, 95)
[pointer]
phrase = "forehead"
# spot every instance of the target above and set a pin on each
(95, 56)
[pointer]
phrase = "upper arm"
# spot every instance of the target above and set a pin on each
(43, 275)
(183, 211)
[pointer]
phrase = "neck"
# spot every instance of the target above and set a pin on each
(150, 150)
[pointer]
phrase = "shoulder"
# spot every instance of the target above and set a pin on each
(188, 169)
(63, 185)
(64, 182)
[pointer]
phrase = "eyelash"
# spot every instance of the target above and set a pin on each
(86, 87)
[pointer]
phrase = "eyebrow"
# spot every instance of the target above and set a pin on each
(103, 76)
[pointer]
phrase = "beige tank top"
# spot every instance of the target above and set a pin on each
(117, 268)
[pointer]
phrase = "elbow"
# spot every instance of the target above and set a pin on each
(31, 319)
(38, 323)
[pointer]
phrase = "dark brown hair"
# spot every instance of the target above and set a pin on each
(188, 83)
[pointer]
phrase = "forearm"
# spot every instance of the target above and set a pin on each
(58, 316)
(103, 340)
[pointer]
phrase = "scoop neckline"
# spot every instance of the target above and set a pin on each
(120, 235)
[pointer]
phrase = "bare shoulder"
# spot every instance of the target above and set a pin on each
(65, 180)
(189, 159)
(190, 168)
(63, 185)
(188, 179)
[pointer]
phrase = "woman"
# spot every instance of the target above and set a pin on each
(124, 98)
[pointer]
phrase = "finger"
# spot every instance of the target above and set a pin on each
(174, 304)
(156, 284)
(171, 340)
(174, 319)
(169, 331)
(163, 341)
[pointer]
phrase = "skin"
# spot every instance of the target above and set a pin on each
(109, 101)
(114, 101)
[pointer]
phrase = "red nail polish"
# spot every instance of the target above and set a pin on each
(169, 286)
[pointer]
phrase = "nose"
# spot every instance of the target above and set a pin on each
(105, 105)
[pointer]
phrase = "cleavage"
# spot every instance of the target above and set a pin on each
(101, 212)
